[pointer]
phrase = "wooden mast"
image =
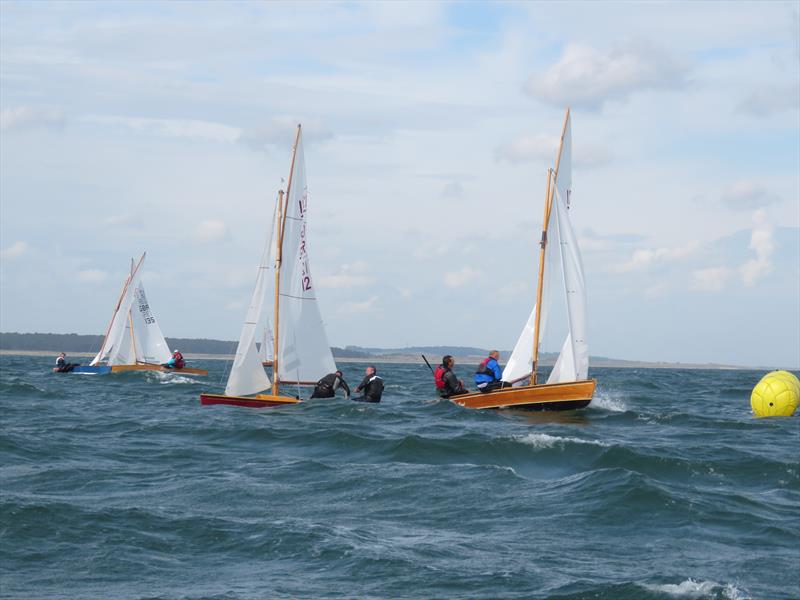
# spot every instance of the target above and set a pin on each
(540, 282)
(552, 174)
(283, 200)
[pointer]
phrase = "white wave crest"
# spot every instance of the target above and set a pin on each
(608, 401)
(170, 378)
(543, 440)
(699, 589)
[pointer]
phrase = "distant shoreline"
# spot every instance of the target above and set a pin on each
(410, 360)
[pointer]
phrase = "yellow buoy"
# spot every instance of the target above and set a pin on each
(776, 395)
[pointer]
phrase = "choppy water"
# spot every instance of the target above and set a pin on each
(125, 487)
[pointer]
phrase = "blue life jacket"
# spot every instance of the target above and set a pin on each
(488, 371)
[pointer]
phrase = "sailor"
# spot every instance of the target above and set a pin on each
(327, 386)
(488, 376)
(447, 383)
(176, 362)
(62, 366)
(371, 387)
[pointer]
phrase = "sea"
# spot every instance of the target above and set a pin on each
(123, 486)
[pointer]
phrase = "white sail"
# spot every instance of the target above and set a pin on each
(573, 361)
(562, 258)
(247, 374)
(117, 347)
(149, 342)
(520, 364)
(304, 352)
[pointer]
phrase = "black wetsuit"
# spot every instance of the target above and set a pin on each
(372, 389)
(62, 366)
(452, 386)
(327, 386)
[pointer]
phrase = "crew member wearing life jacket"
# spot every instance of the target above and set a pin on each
(370, 388)
(176, 362)
(327, 386)
(447, 384)
(488, 376)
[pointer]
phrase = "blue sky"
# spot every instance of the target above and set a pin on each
(167, 127)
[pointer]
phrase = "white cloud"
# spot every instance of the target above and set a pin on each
(462, 277)
(453, 189)
(191, 129)
(27, 117)
(355, 308)
(763, 245)
(542, 147)
(92, 276)
(515, 288)
(126, 220)
(712, 279)
(645, 258)
(772, 99)
(349, 275)
(280, 132)
(211, 230)
(747, 195)
(588, 78)
(15, 250)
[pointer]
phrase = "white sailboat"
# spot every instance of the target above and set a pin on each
(567, 386)
(133, 340)
(301, 353)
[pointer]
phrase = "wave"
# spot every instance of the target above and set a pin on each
(610, 401)
(543, 440)
(700, 589)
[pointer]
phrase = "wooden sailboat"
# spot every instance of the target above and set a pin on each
(301, 354)
(567, 387)
(133, 339)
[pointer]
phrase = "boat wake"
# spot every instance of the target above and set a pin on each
(609, 401)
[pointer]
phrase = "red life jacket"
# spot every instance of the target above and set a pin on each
(179, 362)
(438, 376)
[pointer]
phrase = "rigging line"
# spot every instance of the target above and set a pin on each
(297, 297)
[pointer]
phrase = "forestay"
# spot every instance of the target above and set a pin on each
(303, 351)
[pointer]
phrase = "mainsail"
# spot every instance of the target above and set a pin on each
(562, 257)
(117, 346)
(149, 342)
(304, 352)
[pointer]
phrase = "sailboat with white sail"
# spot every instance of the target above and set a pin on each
(133, 339)
(301, 354)
(567, 386)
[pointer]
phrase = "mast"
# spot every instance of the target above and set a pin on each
(283, 200)
(276, 315)
(552, 176)
(540, 283)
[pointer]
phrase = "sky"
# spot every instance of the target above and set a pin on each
(428, 131)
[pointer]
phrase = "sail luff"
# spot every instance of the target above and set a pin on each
(540, 281)
(279, 260)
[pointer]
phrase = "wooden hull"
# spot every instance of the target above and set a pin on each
(555, 396)
(183, 371)
(258, 401)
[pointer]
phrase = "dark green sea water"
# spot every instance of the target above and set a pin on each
(125, 487)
